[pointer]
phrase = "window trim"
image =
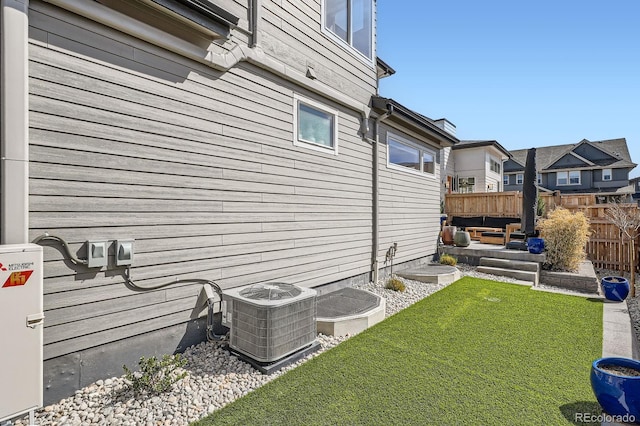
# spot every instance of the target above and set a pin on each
(345, 45)
(610, 175)
(505, 180)
(467, 186)
(421, 151)
(568, 174)
(297, 99)
(498, 165)
(519, 178)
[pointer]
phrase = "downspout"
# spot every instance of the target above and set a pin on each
(14, 122)
(222, 62)
(254, 16)
(376, 192)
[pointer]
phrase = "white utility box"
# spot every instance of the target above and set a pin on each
(22, 319)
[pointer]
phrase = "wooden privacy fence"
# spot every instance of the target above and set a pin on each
(606, 242)
(498, 204)
(603, 248)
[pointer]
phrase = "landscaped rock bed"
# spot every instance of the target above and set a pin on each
(215, 378)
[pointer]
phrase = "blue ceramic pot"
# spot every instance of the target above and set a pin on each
(615, 288)
(618, 395)
(535, 245)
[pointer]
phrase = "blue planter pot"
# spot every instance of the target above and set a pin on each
(615, 288)
(618, 395)
(535, 245)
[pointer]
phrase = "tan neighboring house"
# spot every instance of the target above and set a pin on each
(473, 166)
(236, 141)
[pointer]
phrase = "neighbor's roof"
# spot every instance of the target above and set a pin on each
(546, 156)
(478, 143)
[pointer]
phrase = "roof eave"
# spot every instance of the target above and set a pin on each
(413, 120)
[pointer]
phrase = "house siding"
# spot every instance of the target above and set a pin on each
(409, 206)
(568, 161)
(130, 141)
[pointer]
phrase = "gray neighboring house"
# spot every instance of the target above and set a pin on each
(635, 183)
(233, 140)
(600, 167)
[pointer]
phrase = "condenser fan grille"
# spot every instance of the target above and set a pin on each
(271, 291)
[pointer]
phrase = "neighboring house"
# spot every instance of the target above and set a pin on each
(635, 183)
(241, 142)
(586, 167)
(473, 166)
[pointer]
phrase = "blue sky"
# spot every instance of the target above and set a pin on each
(526, 74)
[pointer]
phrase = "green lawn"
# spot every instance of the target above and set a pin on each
(477, 352)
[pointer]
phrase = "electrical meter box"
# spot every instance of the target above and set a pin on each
(22, 319)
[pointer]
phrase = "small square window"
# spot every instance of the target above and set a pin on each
(519, 179)
(315, 126)
(505, 180)
(606, 174)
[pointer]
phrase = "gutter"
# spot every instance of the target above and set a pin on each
(14, 122)
(221, 62)
(376, 191)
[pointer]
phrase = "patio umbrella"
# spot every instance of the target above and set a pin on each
(529, 195)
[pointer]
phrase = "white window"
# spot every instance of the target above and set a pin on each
(351, 23)
(466, 185)
(505, 180)
(519, 179)
(408, 156)
(539, 178)
(568, 178)
(606, 174)
(574, 178)
(495, 166)
(315, 126)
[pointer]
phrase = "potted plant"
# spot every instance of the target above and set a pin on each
(616, 385)
(462, 239)
(615, 288)
(535, 245)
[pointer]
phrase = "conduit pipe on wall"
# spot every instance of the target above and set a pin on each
(222, 62)
(14, 122)
(376, 192)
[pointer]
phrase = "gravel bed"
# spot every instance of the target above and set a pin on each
(215, 377)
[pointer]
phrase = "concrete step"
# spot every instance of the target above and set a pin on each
(518, 265)
(529, 276)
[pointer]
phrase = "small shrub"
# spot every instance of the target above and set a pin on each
(395, 284)
(565, 237)
(447, 259)
(156, 376)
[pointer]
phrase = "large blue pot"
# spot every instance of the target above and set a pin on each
(617, 395)
(535, 245)
(615, 288)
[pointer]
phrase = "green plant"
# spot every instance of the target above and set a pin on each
(541, 207)
(565, 237)
(395, 284)
(447, 259)
(156, 376)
